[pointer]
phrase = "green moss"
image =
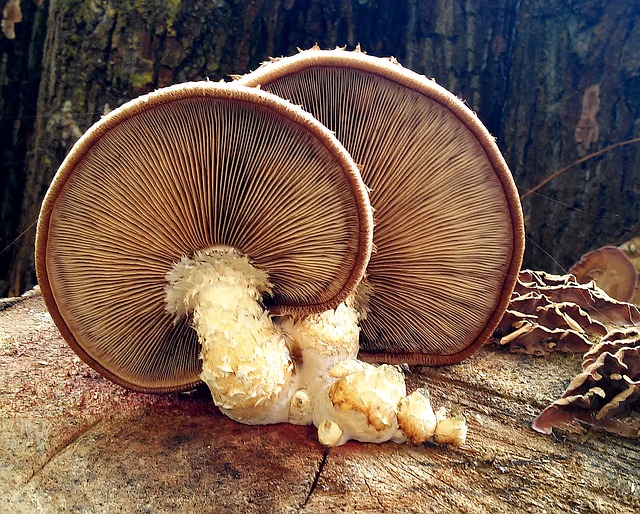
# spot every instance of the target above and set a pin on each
(173, 11)
(82, 9)
(141, 79)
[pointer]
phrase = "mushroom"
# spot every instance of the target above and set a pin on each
(194, 205)
(11, 14)
(609, 384)
(449, 228)
(611, 270)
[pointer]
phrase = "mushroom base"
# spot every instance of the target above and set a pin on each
(260, 371)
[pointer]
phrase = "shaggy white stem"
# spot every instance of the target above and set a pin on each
(347, 399)
(246, 363)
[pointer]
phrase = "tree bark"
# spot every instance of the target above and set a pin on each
(20, 68)
(574, 88)
(553, 81)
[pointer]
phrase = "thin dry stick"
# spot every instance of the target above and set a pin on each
(579, 161)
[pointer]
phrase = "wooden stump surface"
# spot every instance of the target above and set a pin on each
(72, 441)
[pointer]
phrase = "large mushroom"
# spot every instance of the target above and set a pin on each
(449, 227)
(200, 199)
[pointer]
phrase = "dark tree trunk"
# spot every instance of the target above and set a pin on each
(574, 88)
(20, 67)
(553, 81)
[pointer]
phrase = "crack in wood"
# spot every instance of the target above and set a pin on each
(316, 478)
(374, 495)
(60, 448)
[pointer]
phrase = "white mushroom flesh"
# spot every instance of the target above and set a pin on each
(245, 361)
(300, 372)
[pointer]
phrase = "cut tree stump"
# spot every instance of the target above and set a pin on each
(72, 441)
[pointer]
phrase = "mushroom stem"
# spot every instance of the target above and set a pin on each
(248, 360)
(347, 399)
(245, 360)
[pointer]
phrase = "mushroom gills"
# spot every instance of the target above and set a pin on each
(448, 216)
(176, 172)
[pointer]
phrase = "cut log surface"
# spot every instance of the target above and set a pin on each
(72, 441)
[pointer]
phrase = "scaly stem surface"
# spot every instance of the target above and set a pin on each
(246, 362)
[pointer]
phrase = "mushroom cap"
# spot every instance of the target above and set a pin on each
(449, 229)
(611, 270)
(179, 170)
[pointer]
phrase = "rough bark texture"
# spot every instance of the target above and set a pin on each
(70, 441)
(20, 66)
(553, 81)
(567, 54)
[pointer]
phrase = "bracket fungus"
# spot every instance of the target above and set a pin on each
(215, 232)
(556, 313)
(449, 229)
(608, 384)
(610, 269)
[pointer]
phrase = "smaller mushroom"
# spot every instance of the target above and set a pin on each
(11, 15)
(370, 403)
(611, 270)
(609, 383)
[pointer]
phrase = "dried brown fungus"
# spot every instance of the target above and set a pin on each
(539, 320)
(611, 270)
(609, 384)
(564, 289)
(555, 313)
